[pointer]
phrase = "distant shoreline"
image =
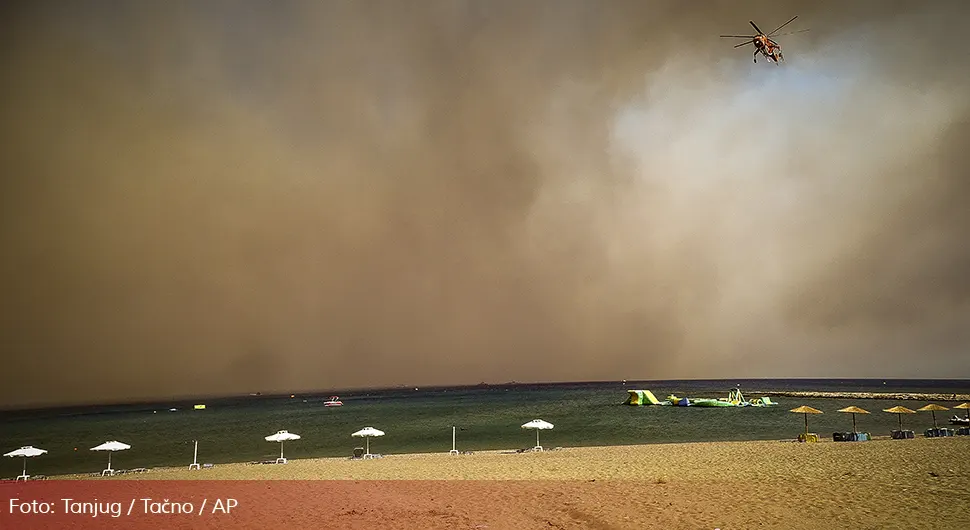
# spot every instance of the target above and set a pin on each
(19, 409)
(915, 396)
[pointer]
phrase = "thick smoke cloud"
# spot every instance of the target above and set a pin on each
(233, 197)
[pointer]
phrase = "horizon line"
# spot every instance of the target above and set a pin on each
(400, 386)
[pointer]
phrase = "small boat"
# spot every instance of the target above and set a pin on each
(956, 420)
(334, 401)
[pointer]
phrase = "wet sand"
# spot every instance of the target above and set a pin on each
(767, 484)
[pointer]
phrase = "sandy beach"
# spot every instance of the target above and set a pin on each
(766, 484)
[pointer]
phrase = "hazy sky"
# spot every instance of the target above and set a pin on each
(230, 197)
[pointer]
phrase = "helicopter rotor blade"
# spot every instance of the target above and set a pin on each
(783, 25)
(756, 28)
(791, 33)
(740, 36)
(742, 44)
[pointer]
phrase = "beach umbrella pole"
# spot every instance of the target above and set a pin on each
(109, 459)
(853, 422)
(537, 437)
(281, 448)
(933, 412)
(453, 438)
(806, 425)
(900, 418)
(367, 443)
(25, 466)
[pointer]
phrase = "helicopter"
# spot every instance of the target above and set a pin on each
(763, 43)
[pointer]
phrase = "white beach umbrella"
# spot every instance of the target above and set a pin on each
(27, 451)
(538, 425)
(111, 447)
(282, 436)
(366, 433)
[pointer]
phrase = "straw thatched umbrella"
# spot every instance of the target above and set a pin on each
(899, 411)
(806, 410)
(854, 410)
(932, 407)
(964, 406)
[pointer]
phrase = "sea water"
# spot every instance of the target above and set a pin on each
(421, 420)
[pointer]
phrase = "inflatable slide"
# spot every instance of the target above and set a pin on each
(643, 397)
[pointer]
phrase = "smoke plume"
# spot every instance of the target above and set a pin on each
(230, 197)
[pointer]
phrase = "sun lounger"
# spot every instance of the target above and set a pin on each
(902, 435)
(963, 431)
(809, 437)
(938, 432)
(851, 436)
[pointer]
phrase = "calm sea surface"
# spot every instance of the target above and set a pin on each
(489, 417)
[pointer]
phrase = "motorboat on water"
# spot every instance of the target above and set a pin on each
(334, 401)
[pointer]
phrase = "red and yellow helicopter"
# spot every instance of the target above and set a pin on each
(763, 43)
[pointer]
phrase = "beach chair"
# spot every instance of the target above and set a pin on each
(358, 452)
(808, 437)
(901, 435)
(938, 432)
